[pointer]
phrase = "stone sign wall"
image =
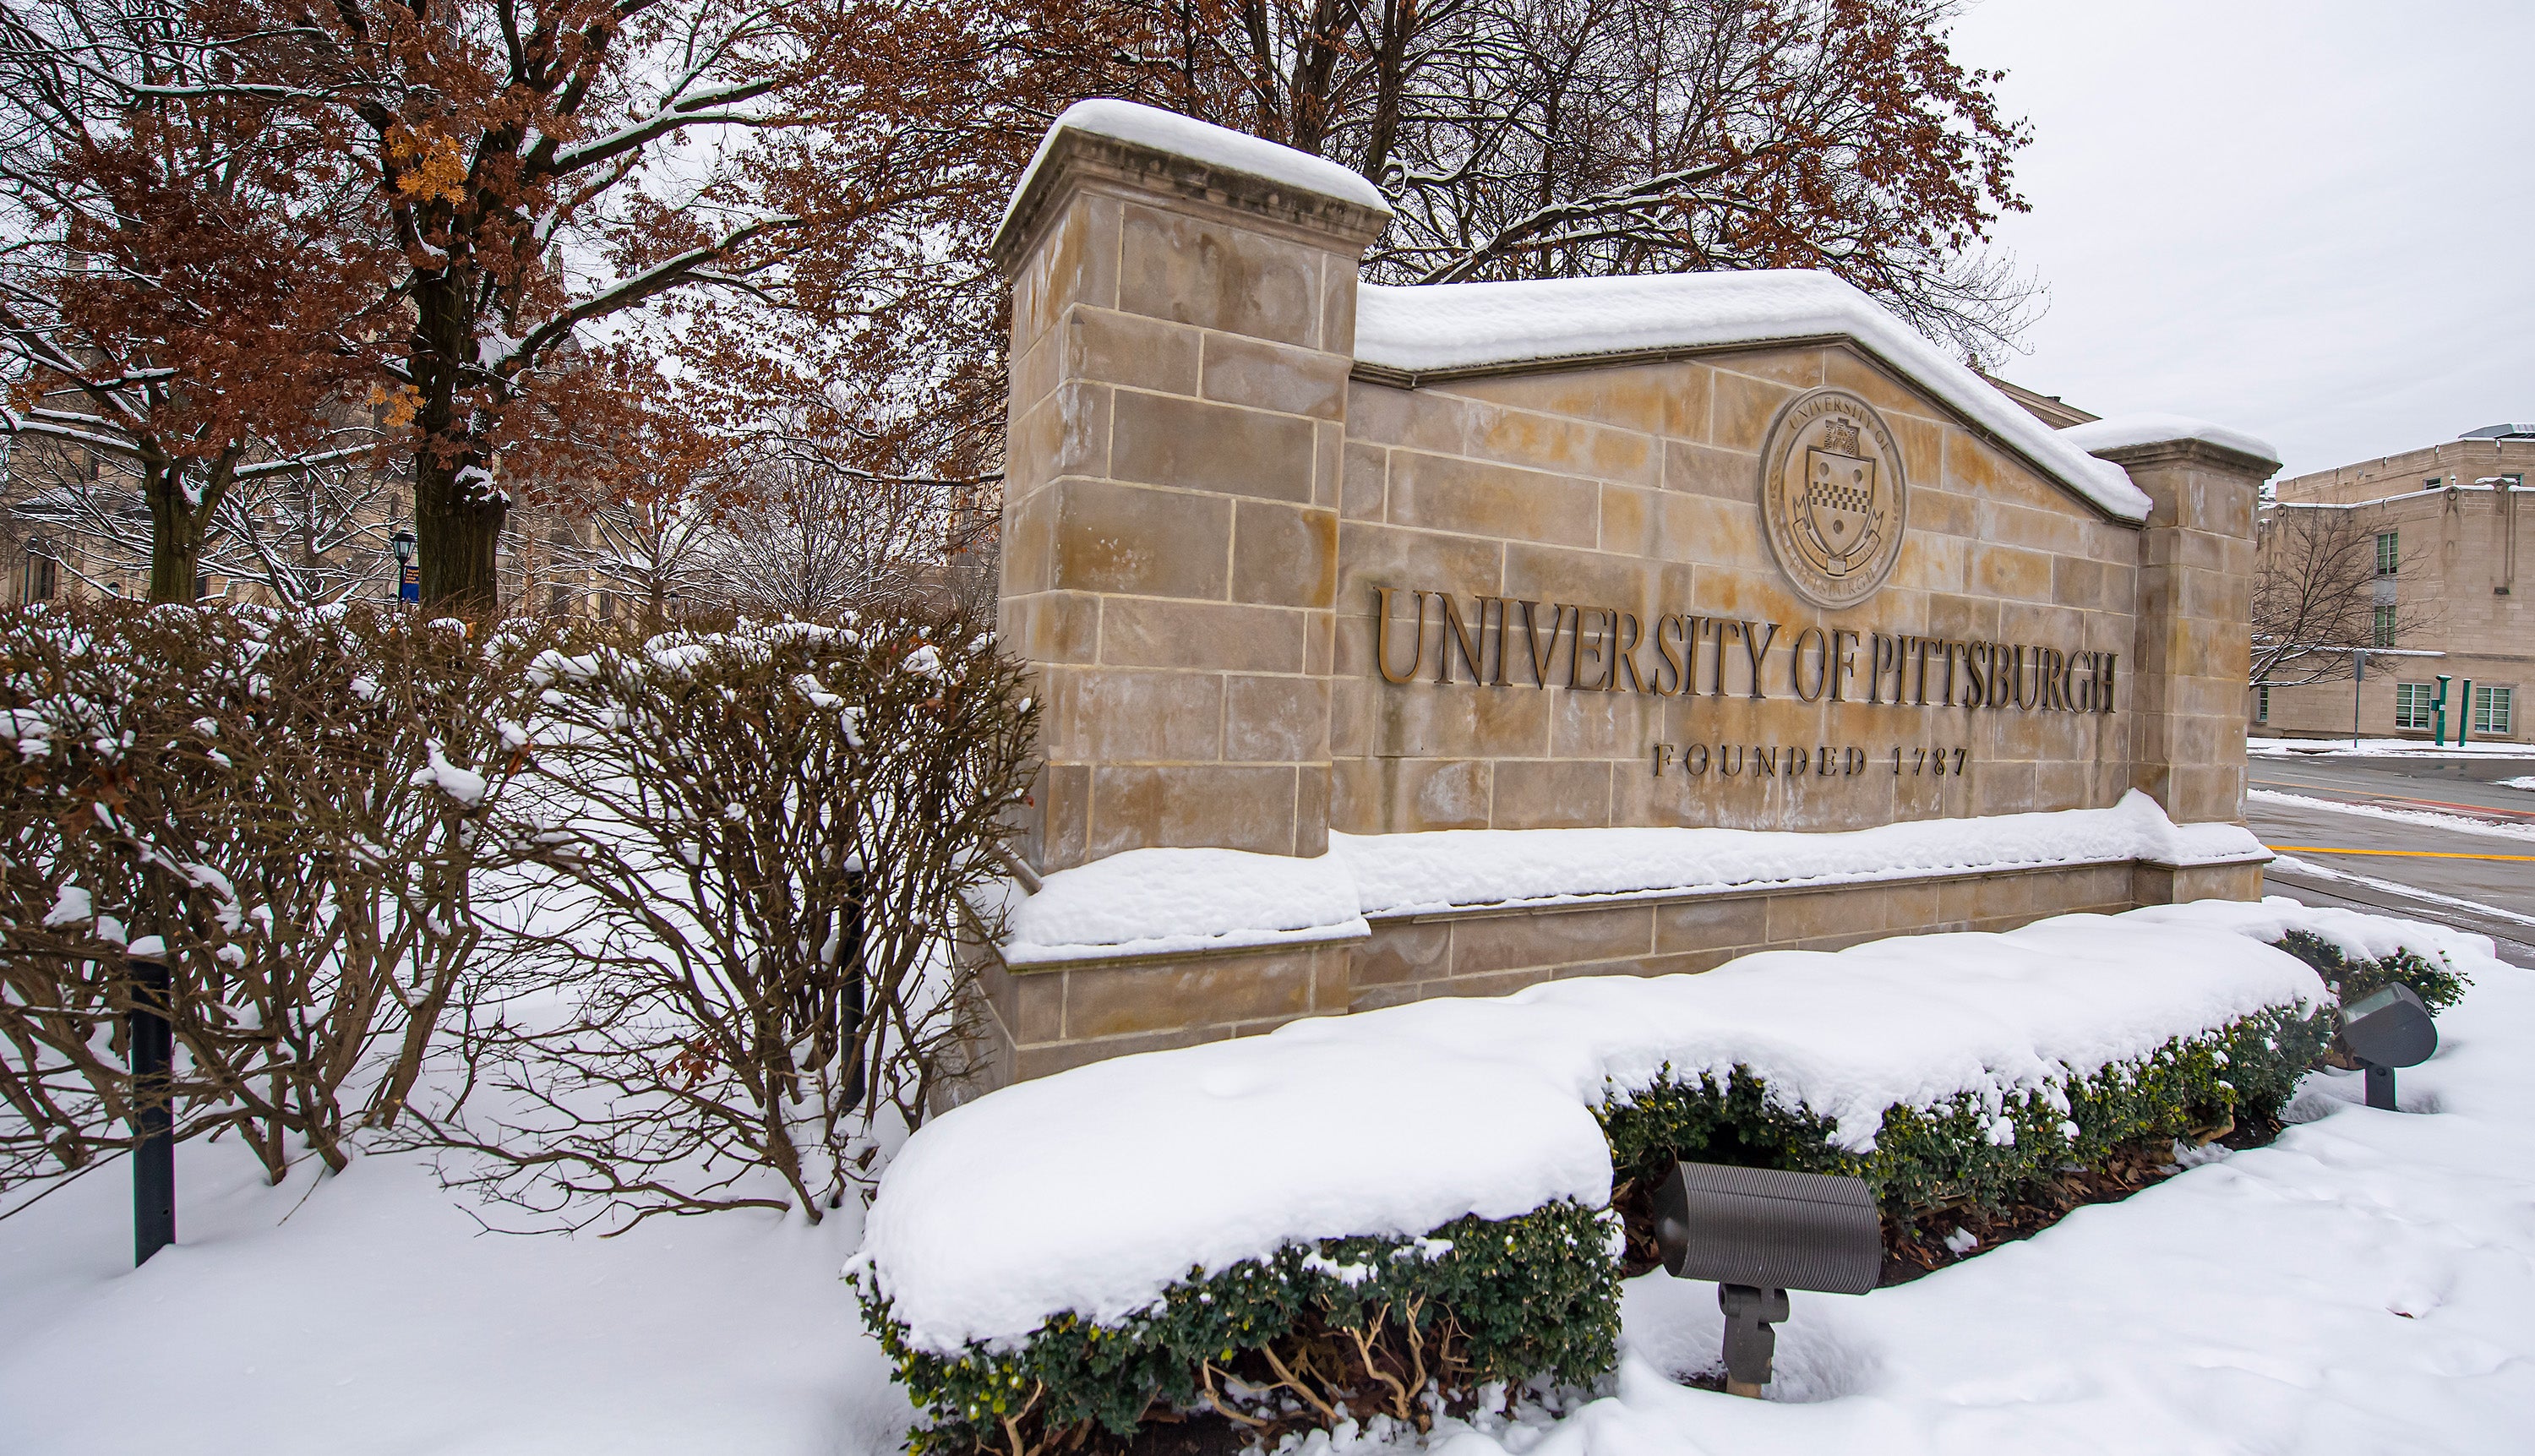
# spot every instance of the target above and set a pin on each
(1283, 569)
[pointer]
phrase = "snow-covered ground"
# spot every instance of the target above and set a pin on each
(374, 1316)
(2367, 1283)
(2383, 747)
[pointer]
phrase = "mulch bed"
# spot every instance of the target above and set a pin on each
(1190, 1435)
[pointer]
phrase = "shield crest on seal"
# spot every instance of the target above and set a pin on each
(1839, 505)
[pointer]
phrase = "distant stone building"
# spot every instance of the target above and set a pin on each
(2449, 526)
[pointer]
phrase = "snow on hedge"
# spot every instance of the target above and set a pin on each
(1095, 1189)
(1158, 901)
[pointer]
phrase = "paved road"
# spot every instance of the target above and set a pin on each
(2495, 874)
(2399, 784)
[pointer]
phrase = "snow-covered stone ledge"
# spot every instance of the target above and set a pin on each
(1182, 902)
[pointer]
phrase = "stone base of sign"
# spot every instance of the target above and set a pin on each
(1043, 1019)
(1046, 1018)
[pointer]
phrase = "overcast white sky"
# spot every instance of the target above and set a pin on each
(2313, 221)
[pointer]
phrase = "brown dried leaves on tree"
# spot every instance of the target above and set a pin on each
(188, 266)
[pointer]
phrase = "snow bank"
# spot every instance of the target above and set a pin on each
(1095, 1189)
(1463, 325)
(2156, 429)
(1160, 900)
(1185, 136)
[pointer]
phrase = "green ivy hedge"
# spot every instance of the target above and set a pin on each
(1957, 1154)
(2438, 986)
(1476, 1301)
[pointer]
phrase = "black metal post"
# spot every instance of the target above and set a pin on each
(2380, 1088)
(849, 962)
(153, 1158)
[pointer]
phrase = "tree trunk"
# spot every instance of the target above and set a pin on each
(177, 525)
(457, 532)
(457, 514)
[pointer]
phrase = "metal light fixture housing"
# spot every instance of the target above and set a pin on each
(1758, 1232)
(2389, 1027)
(403, 544)
(1770, 1228)
(2386, 1029)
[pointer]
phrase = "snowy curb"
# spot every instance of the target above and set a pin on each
(1180, 901)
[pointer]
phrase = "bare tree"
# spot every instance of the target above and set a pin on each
(301, 532)
(2318, 598)
(812, 533)
(311, 536)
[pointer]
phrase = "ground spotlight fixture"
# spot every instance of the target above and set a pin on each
(2386, 1029)
(1758, 1232)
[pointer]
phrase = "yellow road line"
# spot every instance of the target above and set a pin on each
(2400, 853)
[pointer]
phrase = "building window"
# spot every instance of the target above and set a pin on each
(44, 572)
(2412, 705)
(2261, 702)
(2490, 709)
(2389, 551)
(2432, 483)
(2381, 629)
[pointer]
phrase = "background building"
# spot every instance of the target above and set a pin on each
(2443, 531)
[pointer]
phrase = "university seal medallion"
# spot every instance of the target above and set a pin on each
(1832, 496)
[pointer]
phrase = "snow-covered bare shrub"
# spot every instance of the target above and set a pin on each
(1363, 1329)
(726, 981)
(283, 808)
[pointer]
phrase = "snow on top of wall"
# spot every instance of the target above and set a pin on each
(1460, 326)
(2122, 430)
(1158, 901)
(1148, 901)
(1095, 1189)
(1185, 136)
(1445, 870)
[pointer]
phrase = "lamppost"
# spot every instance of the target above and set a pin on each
(408, 581)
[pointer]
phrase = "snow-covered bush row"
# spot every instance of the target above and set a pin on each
(743, 848)
(1942, 1067)
(272, 805)
(687, 895)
